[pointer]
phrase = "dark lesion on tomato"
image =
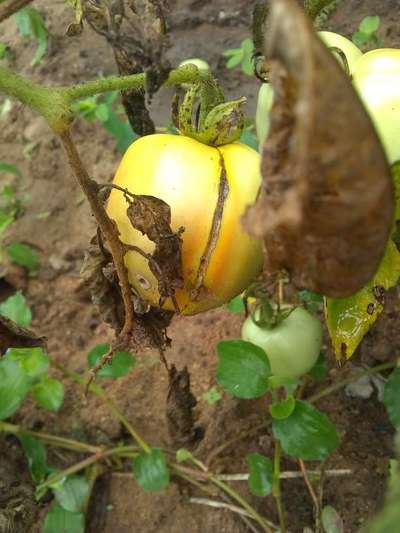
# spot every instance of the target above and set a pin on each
(223, 191)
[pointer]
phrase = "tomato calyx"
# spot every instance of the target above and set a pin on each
(205, 116)
(265, 313)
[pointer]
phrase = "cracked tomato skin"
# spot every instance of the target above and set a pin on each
(186, 174)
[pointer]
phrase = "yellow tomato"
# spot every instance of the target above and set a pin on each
(186, 174)
(377, 80)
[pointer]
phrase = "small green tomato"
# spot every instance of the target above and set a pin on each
(293, 346)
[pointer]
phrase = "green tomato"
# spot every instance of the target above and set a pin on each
(350, 50)
(376, 78)
(292, 347)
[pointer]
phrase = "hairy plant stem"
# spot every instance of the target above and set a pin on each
(9, 8)
(107, 227)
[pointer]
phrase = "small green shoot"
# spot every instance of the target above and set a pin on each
(242, 56)
(366, 37)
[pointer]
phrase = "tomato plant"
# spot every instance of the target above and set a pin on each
(201, 179)
(292, 346)
(185, 174)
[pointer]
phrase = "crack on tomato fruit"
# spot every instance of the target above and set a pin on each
(327, 202)
(223, 191)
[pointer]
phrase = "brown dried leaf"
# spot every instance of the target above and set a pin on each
(180, 405)
(326, 208)
(152, 217)
(135, 29)
(98, 273)
(14, 336)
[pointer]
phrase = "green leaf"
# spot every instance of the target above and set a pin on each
(247, 46)
(151, 471)
(10, 169)
(282, 409)
(23, 22)
(33, 361)
(320, 369)
(121, 363)
(236, 305)
(349, 319)
(261, 474)
(391, 397)
(369, 25)
(36, 455)
(15, 308)
(5, 220)
(331, 520)
(23, 255)
(49, 393)
(212, 396)
(243, 369)
(306, 434)
(31, 24)
(102, 112)
(14, 386)
(120, 130)
(360, 39)
(58, 520)
(72, 493)
(235, 60)
(247, 65)
(249, 138)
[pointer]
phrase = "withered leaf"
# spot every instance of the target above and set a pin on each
(326, 206)
(14, 336)
(136, 31)
(98, 273)
(180, 405)
(149, 327)
(152, 216)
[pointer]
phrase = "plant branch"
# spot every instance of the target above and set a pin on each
(336, 386)
(50, 103)
(101, 393)
(107, 227)
(311, 490)
(9, 8)
(54, 440)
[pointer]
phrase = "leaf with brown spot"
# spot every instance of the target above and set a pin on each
(327, 202)
(152, 217)
(14, 336)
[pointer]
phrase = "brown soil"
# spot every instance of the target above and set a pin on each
(63, 312)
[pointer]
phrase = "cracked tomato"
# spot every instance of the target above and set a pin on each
(186, 174)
